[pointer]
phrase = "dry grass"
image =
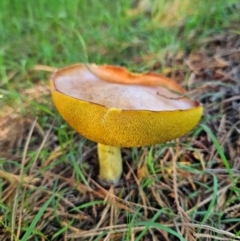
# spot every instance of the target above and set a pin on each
(193, 188)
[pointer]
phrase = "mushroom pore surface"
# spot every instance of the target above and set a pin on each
(83, 84)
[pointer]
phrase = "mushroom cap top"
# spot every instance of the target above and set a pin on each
(113, 106)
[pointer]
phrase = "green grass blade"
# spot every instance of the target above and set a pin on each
(36, 219)
(62, 230)
(162, 227)
(219, 150)
(213, 200)
(152, 223)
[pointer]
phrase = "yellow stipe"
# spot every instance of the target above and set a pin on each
(110, 163)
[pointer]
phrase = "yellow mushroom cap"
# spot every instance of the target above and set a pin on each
(112, 106)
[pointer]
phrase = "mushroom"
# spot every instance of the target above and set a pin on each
(117, 108)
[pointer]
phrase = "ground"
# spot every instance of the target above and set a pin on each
(49, 185)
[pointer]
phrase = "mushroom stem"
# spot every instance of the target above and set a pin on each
(110, 163)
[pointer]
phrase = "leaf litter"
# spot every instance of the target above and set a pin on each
(192, 190)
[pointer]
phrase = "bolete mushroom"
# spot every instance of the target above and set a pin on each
(117, 108)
